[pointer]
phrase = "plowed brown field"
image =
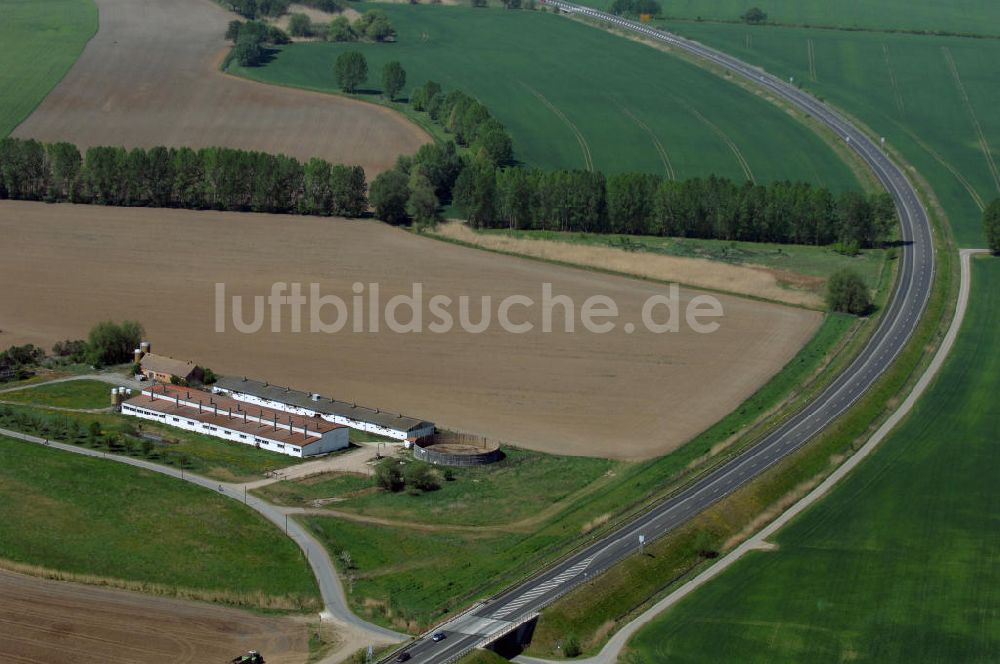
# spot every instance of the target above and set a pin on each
(52, 622)
(150, 77)
(617, 395)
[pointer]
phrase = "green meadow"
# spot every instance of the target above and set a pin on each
(69, 394)
(898, 564)
(39, 42)
(575, 97)
(934, 99)
(143, 531)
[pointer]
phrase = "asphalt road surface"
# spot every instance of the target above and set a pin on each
(916, 271)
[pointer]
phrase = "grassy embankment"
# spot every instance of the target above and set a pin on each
(78, 518)
(39, 42)
(898, 564)
(931, 97)
(82, 394)
(652, 114)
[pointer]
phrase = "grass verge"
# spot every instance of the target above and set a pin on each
(79, 394)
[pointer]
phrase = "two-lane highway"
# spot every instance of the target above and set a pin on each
(916, 273)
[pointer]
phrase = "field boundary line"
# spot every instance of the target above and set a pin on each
(983, 143)
(726, 139)
(897, 95)
(664, 157)
(758, 542)
(588, 159)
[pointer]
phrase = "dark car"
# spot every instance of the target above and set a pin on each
(403, 657)
(438, 636)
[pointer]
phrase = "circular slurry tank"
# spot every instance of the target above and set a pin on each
(446, 449)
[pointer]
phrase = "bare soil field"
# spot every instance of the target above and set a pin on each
(52, 622)
(151, 77)
(617, 394)
(698, 272)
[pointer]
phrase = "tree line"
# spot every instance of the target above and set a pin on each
(210, 178)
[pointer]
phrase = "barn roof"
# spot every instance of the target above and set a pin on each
(321, 405)
(166, 365)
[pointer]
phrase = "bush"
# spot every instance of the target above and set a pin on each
(389, 476)
(754, 16)
(991, 226)
(571, 646)
(111, 343)
(300, 25)
(420, 476)
(847, 293)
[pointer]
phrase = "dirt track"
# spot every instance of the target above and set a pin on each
(150, 77)
(616, 395)
(51, 622)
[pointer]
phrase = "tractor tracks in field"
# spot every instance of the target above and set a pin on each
(588, 159)
(668, 167)
(735, 149)
(981, 136)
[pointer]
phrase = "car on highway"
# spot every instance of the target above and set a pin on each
(403, 657)
(438, 636)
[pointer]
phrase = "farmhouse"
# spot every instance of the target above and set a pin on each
(288, 400)
(161, 368)
(221, 417)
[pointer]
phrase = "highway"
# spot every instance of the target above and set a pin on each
(916, 272)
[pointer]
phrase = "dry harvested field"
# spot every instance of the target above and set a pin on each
(150, 77)
(52, 622)
(698, 272)
(618, 395)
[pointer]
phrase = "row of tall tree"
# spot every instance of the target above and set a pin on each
(643, 204)
(468, 119)
(209, 178)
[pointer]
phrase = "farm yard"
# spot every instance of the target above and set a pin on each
(65, 623)
(613, 395)
(151, 77)
(897, 564)
(586, 100)
(38, 44)
(931, 97)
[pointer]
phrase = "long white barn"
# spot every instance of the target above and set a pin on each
(288, 400)
(218, 416)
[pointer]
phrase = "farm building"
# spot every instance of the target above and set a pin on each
(288, 400)
(161, 368)
(228, 419)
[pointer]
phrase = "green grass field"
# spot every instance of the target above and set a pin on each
(39, 42)
(799, 259)
(93, 517)
(898, 564)
(568, 94)
(518, 487)
(70, 394)
(928, 96)
(958, 16)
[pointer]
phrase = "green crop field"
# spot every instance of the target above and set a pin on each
(571, 95)
(98, 518)
(957, 16)
(898, 564)
(518, 487)
(933, 98)
(68, 394)
(39, 42)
